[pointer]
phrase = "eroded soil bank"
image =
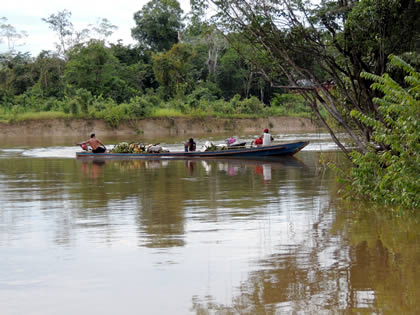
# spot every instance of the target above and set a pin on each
(157, 127)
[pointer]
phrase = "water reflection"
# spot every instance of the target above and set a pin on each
(99, 196)
(349, 266)
(191, 165)
(216, 236)
(93, 169)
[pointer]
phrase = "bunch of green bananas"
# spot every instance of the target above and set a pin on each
(124, 147)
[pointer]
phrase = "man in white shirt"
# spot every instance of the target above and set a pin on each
(267, 138)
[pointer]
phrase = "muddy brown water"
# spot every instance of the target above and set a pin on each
(196, 237)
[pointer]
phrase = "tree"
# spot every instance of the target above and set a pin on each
(69, 37)
(310, 43)
(173, 70)
(50, 69)
(103, 29)
(61, 24)
(391, 175)
(232, 74)
(136, 66)
(16, 74)
(94, 68)
(215, 43)
(158, 24)
(9, 33)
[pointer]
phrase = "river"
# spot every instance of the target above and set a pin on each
(196, 237)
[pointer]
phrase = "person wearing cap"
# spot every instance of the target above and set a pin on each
(267, 138)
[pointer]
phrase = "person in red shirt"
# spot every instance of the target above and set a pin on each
(259, 141)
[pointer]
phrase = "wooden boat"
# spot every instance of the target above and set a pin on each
(286, 149)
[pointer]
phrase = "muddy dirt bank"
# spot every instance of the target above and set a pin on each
(157, 127)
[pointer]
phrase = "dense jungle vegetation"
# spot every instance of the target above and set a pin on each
(180, 66)
(352, 64)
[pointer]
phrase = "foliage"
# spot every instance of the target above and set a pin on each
(250, 105)
(94, 68)
(49, 69)
(292, 42)
(123, 147)
(103, 29)
(82, 75)
(10, 34)
(166, 112)
(202, 76)
(38, 116)
(204, 91)
(158, 24)
(113, 114)
(139, 107)
(251, 59)
(69, 37)
(16, 75)
(390, 173)
(320, 51)
(173, 71)
(290, 104)
(61, 24)
(83, 98)
(232, 73)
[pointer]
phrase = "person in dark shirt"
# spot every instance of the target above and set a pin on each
(190, 145)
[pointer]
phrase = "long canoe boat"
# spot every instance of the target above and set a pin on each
(286, 149)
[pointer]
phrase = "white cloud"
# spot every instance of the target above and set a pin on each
(26, 15)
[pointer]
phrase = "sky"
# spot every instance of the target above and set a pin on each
(26, 15)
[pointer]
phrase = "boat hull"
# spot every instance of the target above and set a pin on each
(286, 149)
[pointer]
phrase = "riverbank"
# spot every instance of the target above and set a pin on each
(157, 127)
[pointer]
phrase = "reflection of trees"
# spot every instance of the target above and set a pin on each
(94, 196)
(299, 277)
(161, 218)
(373, 268)
(349, 257)
(386, 257)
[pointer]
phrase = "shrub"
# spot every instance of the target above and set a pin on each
(250, 105)
(180, 105)
(84, 98)
(389, 173)
(98, 105)
(221, 107)
(114, 114)
(139, 106)
(166, 112)
(50, 104)
(204, 91)
(290, 104)
(74, 107)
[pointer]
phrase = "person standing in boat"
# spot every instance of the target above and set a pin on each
(96, 144)
(267, 138)
(190, 145)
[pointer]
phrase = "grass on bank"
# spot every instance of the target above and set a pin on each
(158, 113)
(38, 116)
(141, 107)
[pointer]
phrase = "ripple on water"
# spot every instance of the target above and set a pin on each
(51, 152)
(318, 142)
(8, 153)
(12, 150)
